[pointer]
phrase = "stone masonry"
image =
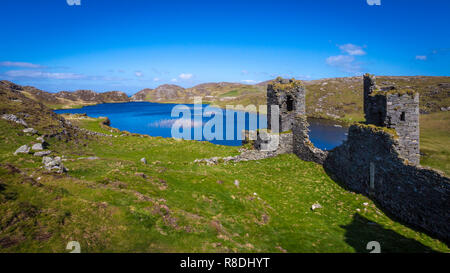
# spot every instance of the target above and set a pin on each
(369, 162)
(396, 109)
(289, 95)
(302, 146)
(380, 158)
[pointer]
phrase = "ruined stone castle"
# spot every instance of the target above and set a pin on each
(396, 109)
(380, 157)
(289, 96)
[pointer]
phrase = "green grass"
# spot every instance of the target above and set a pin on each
(109, 206)
(230, 93)
(435, 141)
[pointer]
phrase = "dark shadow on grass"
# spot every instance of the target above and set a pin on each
(388, 213)
(362, 231)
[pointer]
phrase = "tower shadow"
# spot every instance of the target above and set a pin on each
(361, 231)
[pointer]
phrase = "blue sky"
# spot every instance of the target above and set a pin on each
(129, 45)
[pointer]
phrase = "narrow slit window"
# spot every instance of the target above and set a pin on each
(402, 116)
(289, 104)
(380, 119)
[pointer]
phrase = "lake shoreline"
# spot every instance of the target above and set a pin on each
(341, 122)
(156, 119)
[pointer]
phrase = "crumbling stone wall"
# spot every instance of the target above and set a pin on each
(289, 95)
(270, 142)
(280, 143)
(302, 146)
(369, 162)
(370, 86)
(378, 159)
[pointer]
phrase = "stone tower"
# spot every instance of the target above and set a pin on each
(289, 95)
(397, 109)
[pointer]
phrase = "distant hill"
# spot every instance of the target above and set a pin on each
(141, 95)
(333, 98)
(66, 99)
(343, 97)
(221, 93)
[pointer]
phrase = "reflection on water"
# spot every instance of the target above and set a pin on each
(155, 119)
(326, 134)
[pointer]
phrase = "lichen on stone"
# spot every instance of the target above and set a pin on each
(399, 92)
(378, 129)
(280, 84)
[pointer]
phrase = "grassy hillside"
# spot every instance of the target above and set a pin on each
(342, 98)
(221, 94)
(335, 98)
(435, 141)
(65, 99)
(115, 203)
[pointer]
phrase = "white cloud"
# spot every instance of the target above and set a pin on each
(185, 76)
(345, 63)
(248, 81)
(244, 72)
(352, 50)
(421, 57)
(138, 74)
(174, 80)
(20, 64)
(156, 79)
(43, 75)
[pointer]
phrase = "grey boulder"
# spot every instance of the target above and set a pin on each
(22, 150)
(37, 147)
(53, 164)
(42, 153)
(30, 131)
(14, 118)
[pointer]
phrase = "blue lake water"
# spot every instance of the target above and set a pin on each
(155, 119)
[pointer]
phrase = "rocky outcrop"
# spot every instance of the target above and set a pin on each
(30, 131)
(42, 153)
(53, 164)
(37, 147)
(25, 149)
(246, 155)
(14, 118)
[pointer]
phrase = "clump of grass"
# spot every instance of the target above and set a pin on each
(118, 204)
